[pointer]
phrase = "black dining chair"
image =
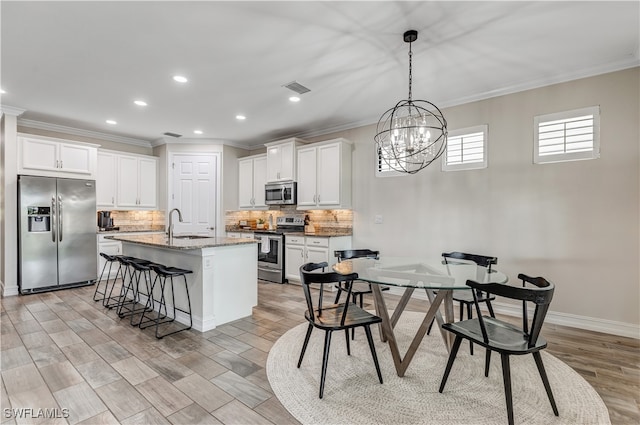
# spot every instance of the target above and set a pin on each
(333, 317)
(464, 297)
(358, 288)
(505, 338)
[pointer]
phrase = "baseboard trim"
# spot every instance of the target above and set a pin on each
(595, 324)
(8, 291)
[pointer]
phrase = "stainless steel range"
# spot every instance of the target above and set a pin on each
(271, 247)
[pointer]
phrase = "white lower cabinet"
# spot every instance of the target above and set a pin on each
(109, 248)
(300, 250)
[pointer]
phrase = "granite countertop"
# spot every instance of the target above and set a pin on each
(162, 241)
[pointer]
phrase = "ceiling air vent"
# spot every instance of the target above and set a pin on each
(176, 135)
(297, 87)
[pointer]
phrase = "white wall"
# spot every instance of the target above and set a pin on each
(575, 223)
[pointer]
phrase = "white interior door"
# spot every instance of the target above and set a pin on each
(194, 193)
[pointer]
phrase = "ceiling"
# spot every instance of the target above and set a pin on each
(77, 64)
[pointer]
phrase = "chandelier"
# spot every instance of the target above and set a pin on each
(412, 134)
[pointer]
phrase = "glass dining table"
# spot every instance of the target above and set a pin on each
(436, 278)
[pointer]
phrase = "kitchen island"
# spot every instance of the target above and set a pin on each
(224, 284)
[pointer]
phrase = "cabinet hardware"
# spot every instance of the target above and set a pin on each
(112, 200)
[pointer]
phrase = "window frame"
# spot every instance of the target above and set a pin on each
(468, 131)
(565, 116)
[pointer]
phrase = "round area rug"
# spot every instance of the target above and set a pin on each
(353, 395)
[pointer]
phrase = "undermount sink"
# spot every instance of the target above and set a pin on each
(190, 237)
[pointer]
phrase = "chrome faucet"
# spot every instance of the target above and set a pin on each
(171, 222)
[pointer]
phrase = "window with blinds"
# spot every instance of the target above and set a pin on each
(466, 149)
(383, 169)
(567, 136)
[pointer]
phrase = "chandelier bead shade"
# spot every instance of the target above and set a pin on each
(413, 133)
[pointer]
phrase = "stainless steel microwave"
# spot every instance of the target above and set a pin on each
(282, 193)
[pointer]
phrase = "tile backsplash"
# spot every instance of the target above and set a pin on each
(334, 220)
(138, 220)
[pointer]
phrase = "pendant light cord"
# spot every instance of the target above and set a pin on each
(410, 66)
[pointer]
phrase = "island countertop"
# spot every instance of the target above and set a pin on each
(162, 241)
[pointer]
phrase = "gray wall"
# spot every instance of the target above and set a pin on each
(575, 223)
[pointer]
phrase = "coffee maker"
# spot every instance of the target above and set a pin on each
(105, 222)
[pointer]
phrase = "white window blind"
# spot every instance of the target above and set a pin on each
(466, 149)
(567, 136)
(384, 170)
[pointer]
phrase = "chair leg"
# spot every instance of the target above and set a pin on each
(304, 345)
(470, 316)
(346, 334)
(96, 292)
(487, 362)
(367, 330)
(452, 358)
(430, 326)
(325, 360)
(545, 380)
(506, 377)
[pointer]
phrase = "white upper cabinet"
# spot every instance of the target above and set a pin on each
(252, 176)
(45, 156)
(324, 175)
(137, 182)
(106, 180)
(281, 159)
(126, 181)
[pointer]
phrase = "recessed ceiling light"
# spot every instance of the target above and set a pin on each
(180, 78)
(241, 117)
(197, 131)
(294, 99)
(140, 102)
(112, 122)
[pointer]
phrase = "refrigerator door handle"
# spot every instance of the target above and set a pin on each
(60, 218)
(53, 218)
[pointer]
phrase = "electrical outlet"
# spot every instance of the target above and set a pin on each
(378, 219)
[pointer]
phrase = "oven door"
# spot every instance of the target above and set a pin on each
(270, 257)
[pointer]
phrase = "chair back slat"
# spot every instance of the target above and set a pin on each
(483, 328)
(481, 260)
(348, 254)
(540, 295)
(309, 275)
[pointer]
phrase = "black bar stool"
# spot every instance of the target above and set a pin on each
(123, 268)
(102, 296)
(162, 273)
(127, 307)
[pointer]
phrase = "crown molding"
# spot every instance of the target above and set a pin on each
(80, 132)
(631, 62)
(11, 110)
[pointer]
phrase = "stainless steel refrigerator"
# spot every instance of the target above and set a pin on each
(57, 243)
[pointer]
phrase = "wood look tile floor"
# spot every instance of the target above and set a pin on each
(61, 350)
